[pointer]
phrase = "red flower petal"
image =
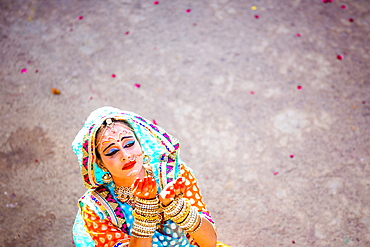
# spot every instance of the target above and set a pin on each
(291, 156)
(188, 10)
(256, 16)
(351, 20)
(276, 173)
(127, 32)
(24, 71)
(156, 2)
(155, 122)
(80, 17)
(339, 57)
(137, 85)
(343, 6)
(113, 76)
(298, 34)
(299, 87)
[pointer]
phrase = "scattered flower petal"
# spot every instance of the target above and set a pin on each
(276, 173)
(293, 242)
(80, 17)
(37, 71)
(252, 92)
(23, 70)
(291, 156)
(188, 10)
(55, 91)
(298, 34)
(364, 102)
(91, 98)
(195, 24)
(253, 7)
(155, 122)
(113, 76)
(36, 160)
(137, 85)
(156, 2)
(353, 127)
(327, 1)
(339, 57)
(127, 33)
(256, 16)
(351, 20)
(299, 87)
(343, 6)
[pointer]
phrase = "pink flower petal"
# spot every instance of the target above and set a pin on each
(36, 160)
(80, 17)
(343, 6)
(364, 102)
(113, 76)
(252, 92)
(256, 16)
(299, 87)
(37, 71)
(137, 85)
(127, 33)
(339, 57)
(276, 173)
(23, 71)
(156, 2)
(291, 156)
(155, 122)
(298, 34)
(188, 10)
(351, 20)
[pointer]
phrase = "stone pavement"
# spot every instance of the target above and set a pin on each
(270, 99)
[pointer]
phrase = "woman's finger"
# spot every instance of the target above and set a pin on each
(139, 188)
(134, 185)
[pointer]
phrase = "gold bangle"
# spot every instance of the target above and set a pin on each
(198, 227)
(147, 218)
(182, 215)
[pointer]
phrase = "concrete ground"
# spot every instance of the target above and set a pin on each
(270, 99)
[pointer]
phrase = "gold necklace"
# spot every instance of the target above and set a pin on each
(124, 194)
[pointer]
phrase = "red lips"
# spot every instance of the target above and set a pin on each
(129, 165)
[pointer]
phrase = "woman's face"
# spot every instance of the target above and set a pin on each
(120, 151)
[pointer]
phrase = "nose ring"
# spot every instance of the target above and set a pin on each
(132, 158)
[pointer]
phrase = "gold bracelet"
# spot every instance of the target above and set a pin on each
(183, 214)
(148, 218)
(190, 221)
(198, 227)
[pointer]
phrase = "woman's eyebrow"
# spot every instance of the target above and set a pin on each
(126, 137)
(108, 147)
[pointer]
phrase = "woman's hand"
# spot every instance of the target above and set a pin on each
(172, 190)
(145, 188)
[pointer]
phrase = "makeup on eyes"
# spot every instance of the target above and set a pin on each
(113, 151)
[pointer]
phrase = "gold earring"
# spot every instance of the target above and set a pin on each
(107, 178)
(146, 159)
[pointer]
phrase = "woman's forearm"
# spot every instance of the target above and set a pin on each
(140, 242)
(206, 235)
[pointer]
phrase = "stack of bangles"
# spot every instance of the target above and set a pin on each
(182, 213)
(146, 217)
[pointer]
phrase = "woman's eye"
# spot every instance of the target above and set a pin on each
(112, 152)
(129, 144)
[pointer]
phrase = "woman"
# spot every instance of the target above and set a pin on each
(140, 193)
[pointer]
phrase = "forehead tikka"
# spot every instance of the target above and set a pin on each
(110, 124)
